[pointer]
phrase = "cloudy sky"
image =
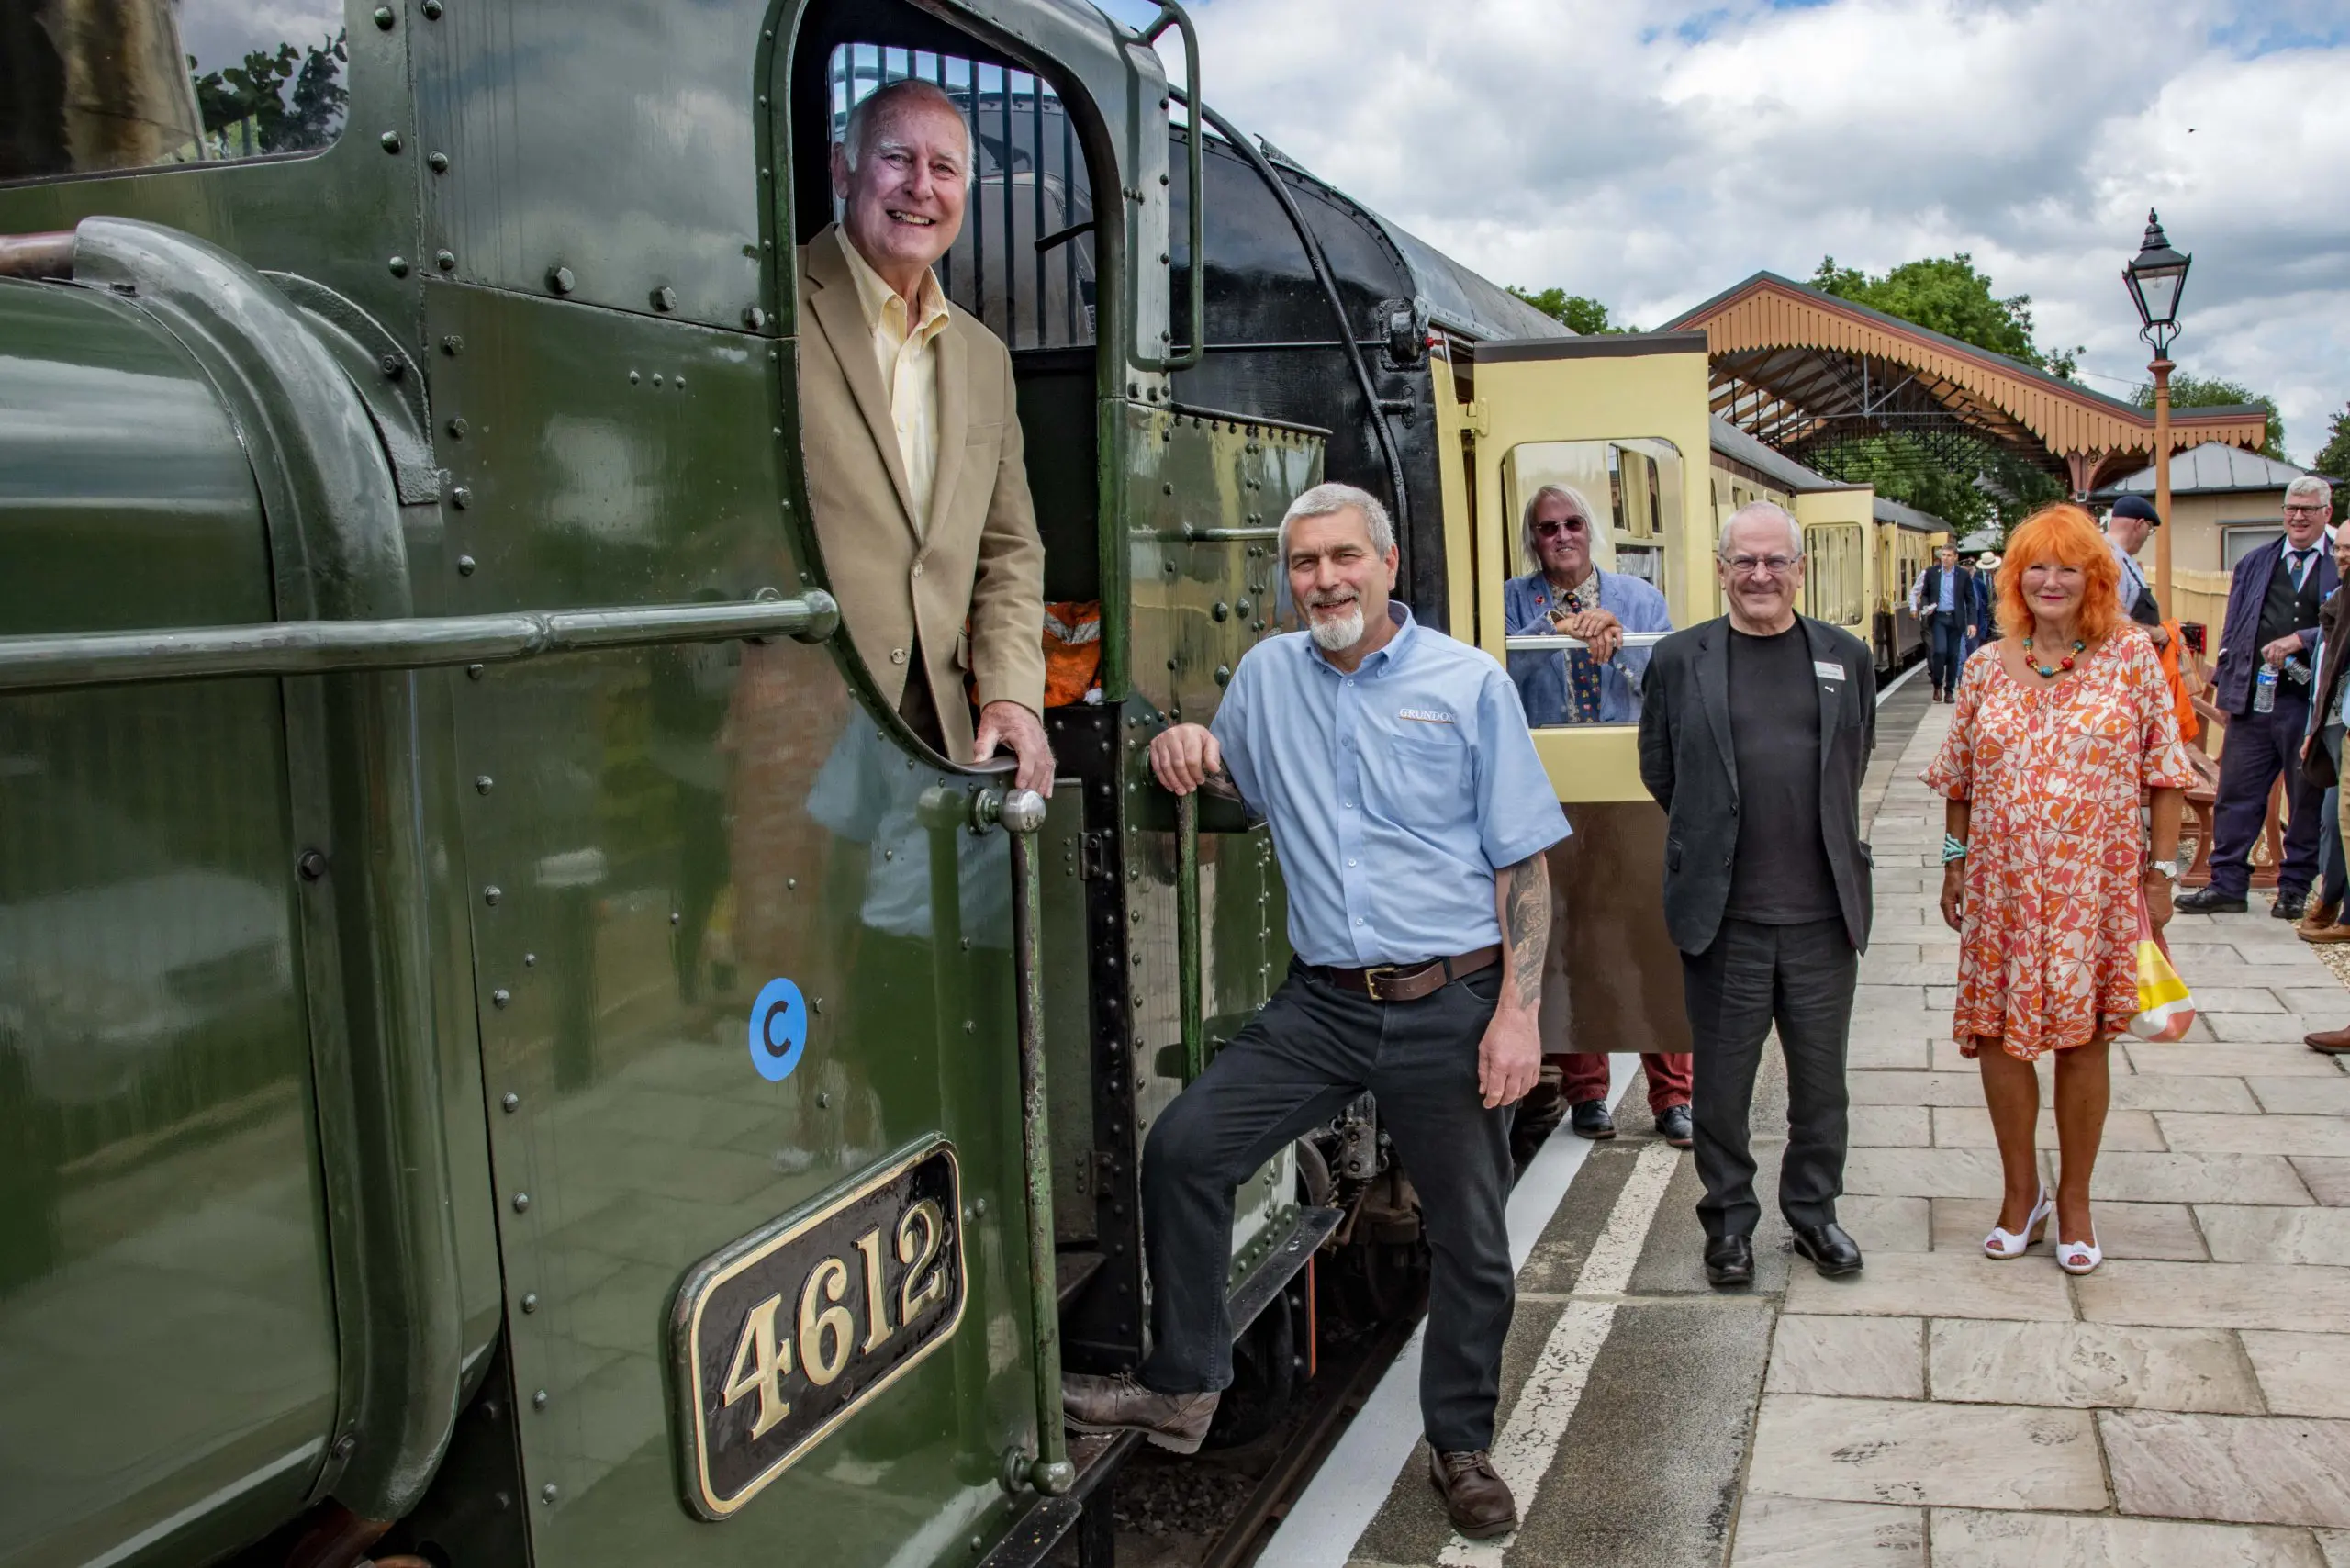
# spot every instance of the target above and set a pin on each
(1650, 154)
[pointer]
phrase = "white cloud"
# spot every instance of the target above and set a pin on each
(1652, 154)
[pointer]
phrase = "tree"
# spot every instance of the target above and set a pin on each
(288, 101)
(2211, 392)
(1576, 312)
(1946, 295)
(2333, 458)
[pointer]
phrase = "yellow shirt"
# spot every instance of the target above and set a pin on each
(909, 361)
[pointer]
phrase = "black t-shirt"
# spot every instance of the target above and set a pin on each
(1781, 875)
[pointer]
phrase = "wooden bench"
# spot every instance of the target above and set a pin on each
(2204, 796)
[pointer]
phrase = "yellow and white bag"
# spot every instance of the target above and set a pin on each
(2165, 1007)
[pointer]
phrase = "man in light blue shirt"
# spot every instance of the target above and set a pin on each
(1411, 815)
(1567, 594)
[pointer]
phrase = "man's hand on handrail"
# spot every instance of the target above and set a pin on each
(1009, 724)
(1186, 758)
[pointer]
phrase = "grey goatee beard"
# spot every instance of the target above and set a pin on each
(1336, 635)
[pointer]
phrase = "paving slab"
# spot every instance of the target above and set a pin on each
(1968, 1456)
(1865, 1358)
(2123, 1230)
(2327, 1179)
(1890, 1127)
(1926, 1285)
(1887, 1224)
(1925, 1173)
(1969, 1126)
(2217, 1296)
(2085, 1365)
(1804, 1532)
(2307, 1094)
(2282, 1470)
(2185, 1178)
(1966, 1539)
(2273, 1133)
(2242, 1233)
(2302, 1374)
(2272, 1058)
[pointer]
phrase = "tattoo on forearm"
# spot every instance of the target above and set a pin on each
(1527, 929)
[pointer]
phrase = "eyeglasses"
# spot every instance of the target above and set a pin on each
(1551, 528)
(2310, 508)
(1747, 565)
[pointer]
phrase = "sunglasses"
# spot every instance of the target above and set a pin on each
(1551, 528)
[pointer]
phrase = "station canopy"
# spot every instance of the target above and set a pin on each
(1800, 371)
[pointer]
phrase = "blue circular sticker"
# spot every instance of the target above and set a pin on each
(778, 1030)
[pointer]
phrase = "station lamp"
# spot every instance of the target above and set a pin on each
(2156, 277)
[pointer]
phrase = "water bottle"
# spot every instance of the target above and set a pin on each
(2263, 689)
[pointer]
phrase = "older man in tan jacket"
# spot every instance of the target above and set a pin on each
(913, 444)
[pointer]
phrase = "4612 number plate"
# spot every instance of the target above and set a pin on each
(780, 1335)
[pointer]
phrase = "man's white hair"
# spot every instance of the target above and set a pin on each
(1566, 493)
(1330, 498)
(855, 138)
(1763, 508)
(2311, 486)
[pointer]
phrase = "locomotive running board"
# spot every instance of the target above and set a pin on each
(1282, 1260)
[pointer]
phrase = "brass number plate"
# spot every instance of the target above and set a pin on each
(780, 1335)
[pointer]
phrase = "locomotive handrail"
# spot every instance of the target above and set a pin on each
(1195, 168)
(1191, 1024)
(1532, 643)
(1229, 535)
(58, 661)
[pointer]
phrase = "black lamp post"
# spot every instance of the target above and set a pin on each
(2156, 277)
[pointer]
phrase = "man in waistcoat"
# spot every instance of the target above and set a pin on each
(2272, 624)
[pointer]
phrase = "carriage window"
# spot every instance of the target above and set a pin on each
(164, 81)
(1024, 262)
(1591, 523)
(1832, 574)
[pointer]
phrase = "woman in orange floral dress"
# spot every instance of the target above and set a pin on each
(2062, 729)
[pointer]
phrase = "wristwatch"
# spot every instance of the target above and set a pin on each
(2169, 868)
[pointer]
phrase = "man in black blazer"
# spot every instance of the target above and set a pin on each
(2272, 622)
(1955, 633)
(1755, 729)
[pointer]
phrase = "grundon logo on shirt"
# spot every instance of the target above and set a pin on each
(1427, 715)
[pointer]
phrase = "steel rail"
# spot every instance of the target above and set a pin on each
(67, 660)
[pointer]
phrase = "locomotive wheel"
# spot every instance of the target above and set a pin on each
(1266, 1372)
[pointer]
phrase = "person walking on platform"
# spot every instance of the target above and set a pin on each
(1948, 595)
(2262, 684)
(1755, 731)
(1411, 816)
(2062, 730)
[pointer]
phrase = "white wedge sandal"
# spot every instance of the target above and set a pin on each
(2078, 1257)
(2005, 1244)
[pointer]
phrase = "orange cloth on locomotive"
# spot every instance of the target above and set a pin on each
(1072, 652)
(2182, 701)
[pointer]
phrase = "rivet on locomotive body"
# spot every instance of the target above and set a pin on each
(445, 260)
(530, 1301)
(664, 298)
(529, 961)
(538, 1400)
(823, 1100)
(389, 141)
(345, 1446)
(465, 564)
(510, 1102)
(461, 498)
(658, 381)
(452, 346)
(310, 864)
(521, 1202)
(491, 895)
(680, 383)
(1224, 674)
(457, 428)
(396, 266)
(550, 1491)
(472, 672)
(501, 997)
(432, 10)
(754, 317)
(561, 280)
(633, 378)
(384, 18)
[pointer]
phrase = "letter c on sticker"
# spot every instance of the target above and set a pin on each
(778, 1030)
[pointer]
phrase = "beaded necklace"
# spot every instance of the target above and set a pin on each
(2044, 671)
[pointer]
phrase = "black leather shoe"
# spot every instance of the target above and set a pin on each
(1672, 1126)
(1829, 1249)
(1590, 1120)
(2209, 900)
(2290, 906)
(1730, 1261)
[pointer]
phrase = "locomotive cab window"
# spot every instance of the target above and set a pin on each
(1585, 598)
(158, 82)
(963, 466)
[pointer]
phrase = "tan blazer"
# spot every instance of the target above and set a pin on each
(978, 559)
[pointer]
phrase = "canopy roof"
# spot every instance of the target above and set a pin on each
(1799, 369)
(2212, 468)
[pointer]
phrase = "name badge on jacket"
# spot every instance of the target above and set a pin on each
(1827, 671)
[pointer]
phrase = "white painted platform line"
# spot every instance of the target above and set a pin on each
(1323, 1526)
(1527, 1444)
(1891, 686)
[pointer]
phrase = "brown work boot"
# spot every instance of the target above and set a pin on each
(2332, 1042)
(1176, 1421)
(2324, 934)
(2315, 918)
(1477, 1499)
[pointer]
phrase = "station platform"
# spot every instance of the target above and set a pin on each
(2187, 1404)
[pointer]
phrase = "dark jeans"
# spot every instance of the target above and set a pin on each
(1800, 978)
(1947, 646)
(1312, 1049)
(2259, 747)
(2333, 875)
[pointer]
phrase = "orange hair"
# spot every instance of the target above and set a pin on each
(2064, 534)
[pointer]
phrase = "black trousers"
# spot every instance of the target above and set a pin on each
(2261, 748)
(1312, 1049)
(1800, 978)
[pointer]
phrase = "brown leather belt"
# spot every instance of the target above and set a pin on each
(1409, 982)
